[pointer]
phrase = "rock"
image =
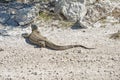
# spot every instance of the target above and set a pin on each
(26, 15)
(78, 25)
(86, 11)
(12, 22)
(52, 3)
(4, 1)
(91, 2)
(3, 33)
(4, 17)
(15, 14)
(99, 12)
(95, 12)
(72, 10)
(19, 13)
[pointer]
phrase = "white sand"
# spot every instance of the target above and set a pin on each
(22, 61)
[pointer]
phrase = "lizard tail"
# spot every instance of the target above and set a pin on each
(56, 47)
(81, 46)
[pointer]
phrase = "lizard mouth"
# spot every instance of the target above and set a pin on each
(25, 35)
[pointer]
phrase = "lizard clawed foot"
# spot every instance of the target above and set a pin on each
(1, 49)
(42, 44)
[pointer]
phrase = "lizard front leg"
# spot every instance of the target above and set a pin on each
(42, 44)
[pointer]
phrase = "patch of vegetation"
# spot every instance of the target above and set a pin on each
(45, 15)
(66, 24)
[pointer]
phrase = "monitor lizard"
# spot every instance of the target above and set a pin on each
(36, 38)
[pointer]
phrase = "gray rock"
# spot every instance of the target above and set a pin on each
(12, 22)
(26, 15)
(78, 25)
(4, 17)
(71, 9)
(3, 33)
(95, 12)
(15, 14)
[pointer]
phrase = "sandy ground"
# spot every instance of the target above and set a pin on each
(22, 61)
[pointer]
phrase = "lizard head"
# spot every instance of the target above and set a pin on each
(25, 35)
(34, 27)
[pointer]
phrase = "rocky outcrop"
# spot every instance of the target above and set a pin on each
(102, 12)
(86, 11)
(71, 9)
(15, 14)
(26, 15)
(18, 13)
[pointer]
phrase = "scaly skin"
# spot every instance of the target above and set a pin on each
(36, 38)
